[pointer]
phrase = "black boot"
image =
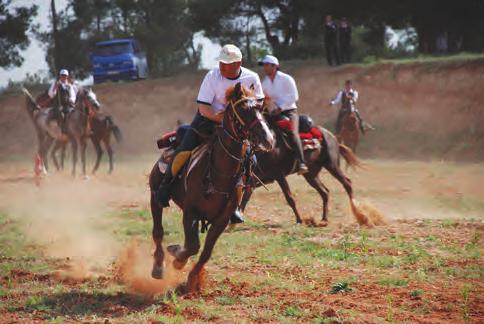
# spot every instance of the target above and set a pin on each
(163, 194)
(236, 217)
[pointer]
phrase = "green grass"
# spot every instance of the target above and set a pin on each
(270, 263)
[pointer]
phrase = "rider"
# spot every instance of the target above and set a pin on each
(348, 97)
(281, 88)
(211, 106)
(63, 81)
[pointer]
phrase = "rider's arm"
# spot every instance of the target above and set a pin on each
(336, 100)
(52, 89)
(207, 112)
(355, 95)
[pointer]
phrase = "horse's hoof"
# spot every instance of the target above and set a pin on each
(181, 289)
(157, 273)
(173, 249)
(177, 264)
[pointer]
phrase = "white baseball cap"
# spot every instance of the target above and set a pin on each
(269, 59)
(64, 72)
(230, 54)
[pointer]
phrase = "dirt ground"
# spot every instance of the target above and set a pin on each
(61, 243)
(79, 250)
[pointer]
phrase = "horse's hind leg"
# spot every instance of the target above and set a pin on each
(336, 172)
(99, 153)
(83, 155)
(289, 198)
(110, 153)
(157, 215)
(192, 241)
(313, 180)
(63, 155)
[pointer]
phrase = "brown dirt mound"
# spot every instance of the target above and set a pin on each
(419, 110)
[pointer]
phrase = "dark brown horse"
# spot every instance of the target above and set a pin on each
(281, 162)
(208, 193)
(349, 134)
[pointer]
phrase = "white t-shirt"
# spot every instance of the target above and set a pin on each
(72, 90)
(282, 90)
(214, 85)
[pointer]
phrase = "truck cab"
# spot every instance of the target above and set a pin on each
(118, 59)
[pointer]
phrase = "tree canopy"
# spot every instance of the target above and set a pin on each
(15, 23)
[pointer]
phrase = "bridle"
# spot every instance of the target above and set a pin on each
(244, 128)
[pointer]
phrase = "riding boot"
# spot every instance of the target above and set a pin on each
(360, 122)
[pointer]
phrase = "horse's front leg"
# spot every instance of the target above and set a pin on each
(157, 215)
(192, 241)
(281, 180)
(74, 156)
(53, 154)
(219, 225)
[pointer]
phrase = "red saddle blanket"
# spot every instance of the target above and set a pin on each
(307, 137)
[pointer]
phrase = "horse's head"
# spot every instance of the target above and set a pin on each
(63, 94)
(243, 119)
(91, 98)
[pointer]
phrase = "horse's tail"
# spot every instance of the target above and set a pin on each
(115, 129)
(349, 156)
(31, 105)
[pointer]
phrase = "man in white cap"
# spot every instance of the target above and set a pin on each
(63, 81)
(211, 106)
(282, 90)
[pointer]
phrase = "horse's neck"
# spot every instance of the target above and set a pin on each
(225, 151)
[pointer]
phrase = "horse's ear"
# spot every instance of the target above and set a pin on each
(238, 90)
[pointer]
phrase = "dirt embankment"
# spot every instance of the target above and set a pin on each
(420, 110)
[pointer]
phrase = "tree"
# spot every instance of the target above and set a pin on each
(15, 23)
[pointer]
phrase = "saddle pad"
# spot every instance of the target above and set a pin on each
(197, 154)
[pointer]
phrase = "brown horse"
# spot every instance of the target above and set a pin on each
(208, 192)
(281, 162)
(349, 134)
(101, 126)
(48, 129)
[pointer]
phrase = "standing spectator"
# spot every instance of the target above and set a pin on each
(345, 40)
(330, 38)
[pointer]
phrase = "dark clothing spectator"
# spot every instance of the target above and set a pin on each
(345, 41)
(330, 40)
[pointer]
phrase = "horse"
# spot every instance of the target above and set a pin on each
(46, 124)
(279, 163)
(349, 133)
(101, 128)
(207, 191)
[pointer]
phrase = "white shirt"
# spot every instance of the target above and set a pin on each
(71, 88)
(339, 97)
(282, 90)
(214, 85)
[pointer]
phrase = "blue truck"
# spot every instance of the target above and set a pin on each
(118, 59)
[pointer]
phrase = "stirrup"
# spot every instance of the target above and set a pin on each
(302, 169)
(236, 217)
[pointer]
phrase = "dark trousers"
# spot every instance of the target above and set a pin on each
(295, 140)
(200, 127)
(332, 53)
(345, 52)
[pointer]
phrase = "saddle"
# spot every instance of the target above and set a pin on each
(43, 100)
(310, 135)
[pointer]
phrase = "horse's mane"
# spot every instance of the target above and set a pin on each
(267, 102)
(229, 93)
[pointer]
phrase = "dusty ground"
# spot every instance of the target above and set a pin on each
(75, 250)
(62, 244)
